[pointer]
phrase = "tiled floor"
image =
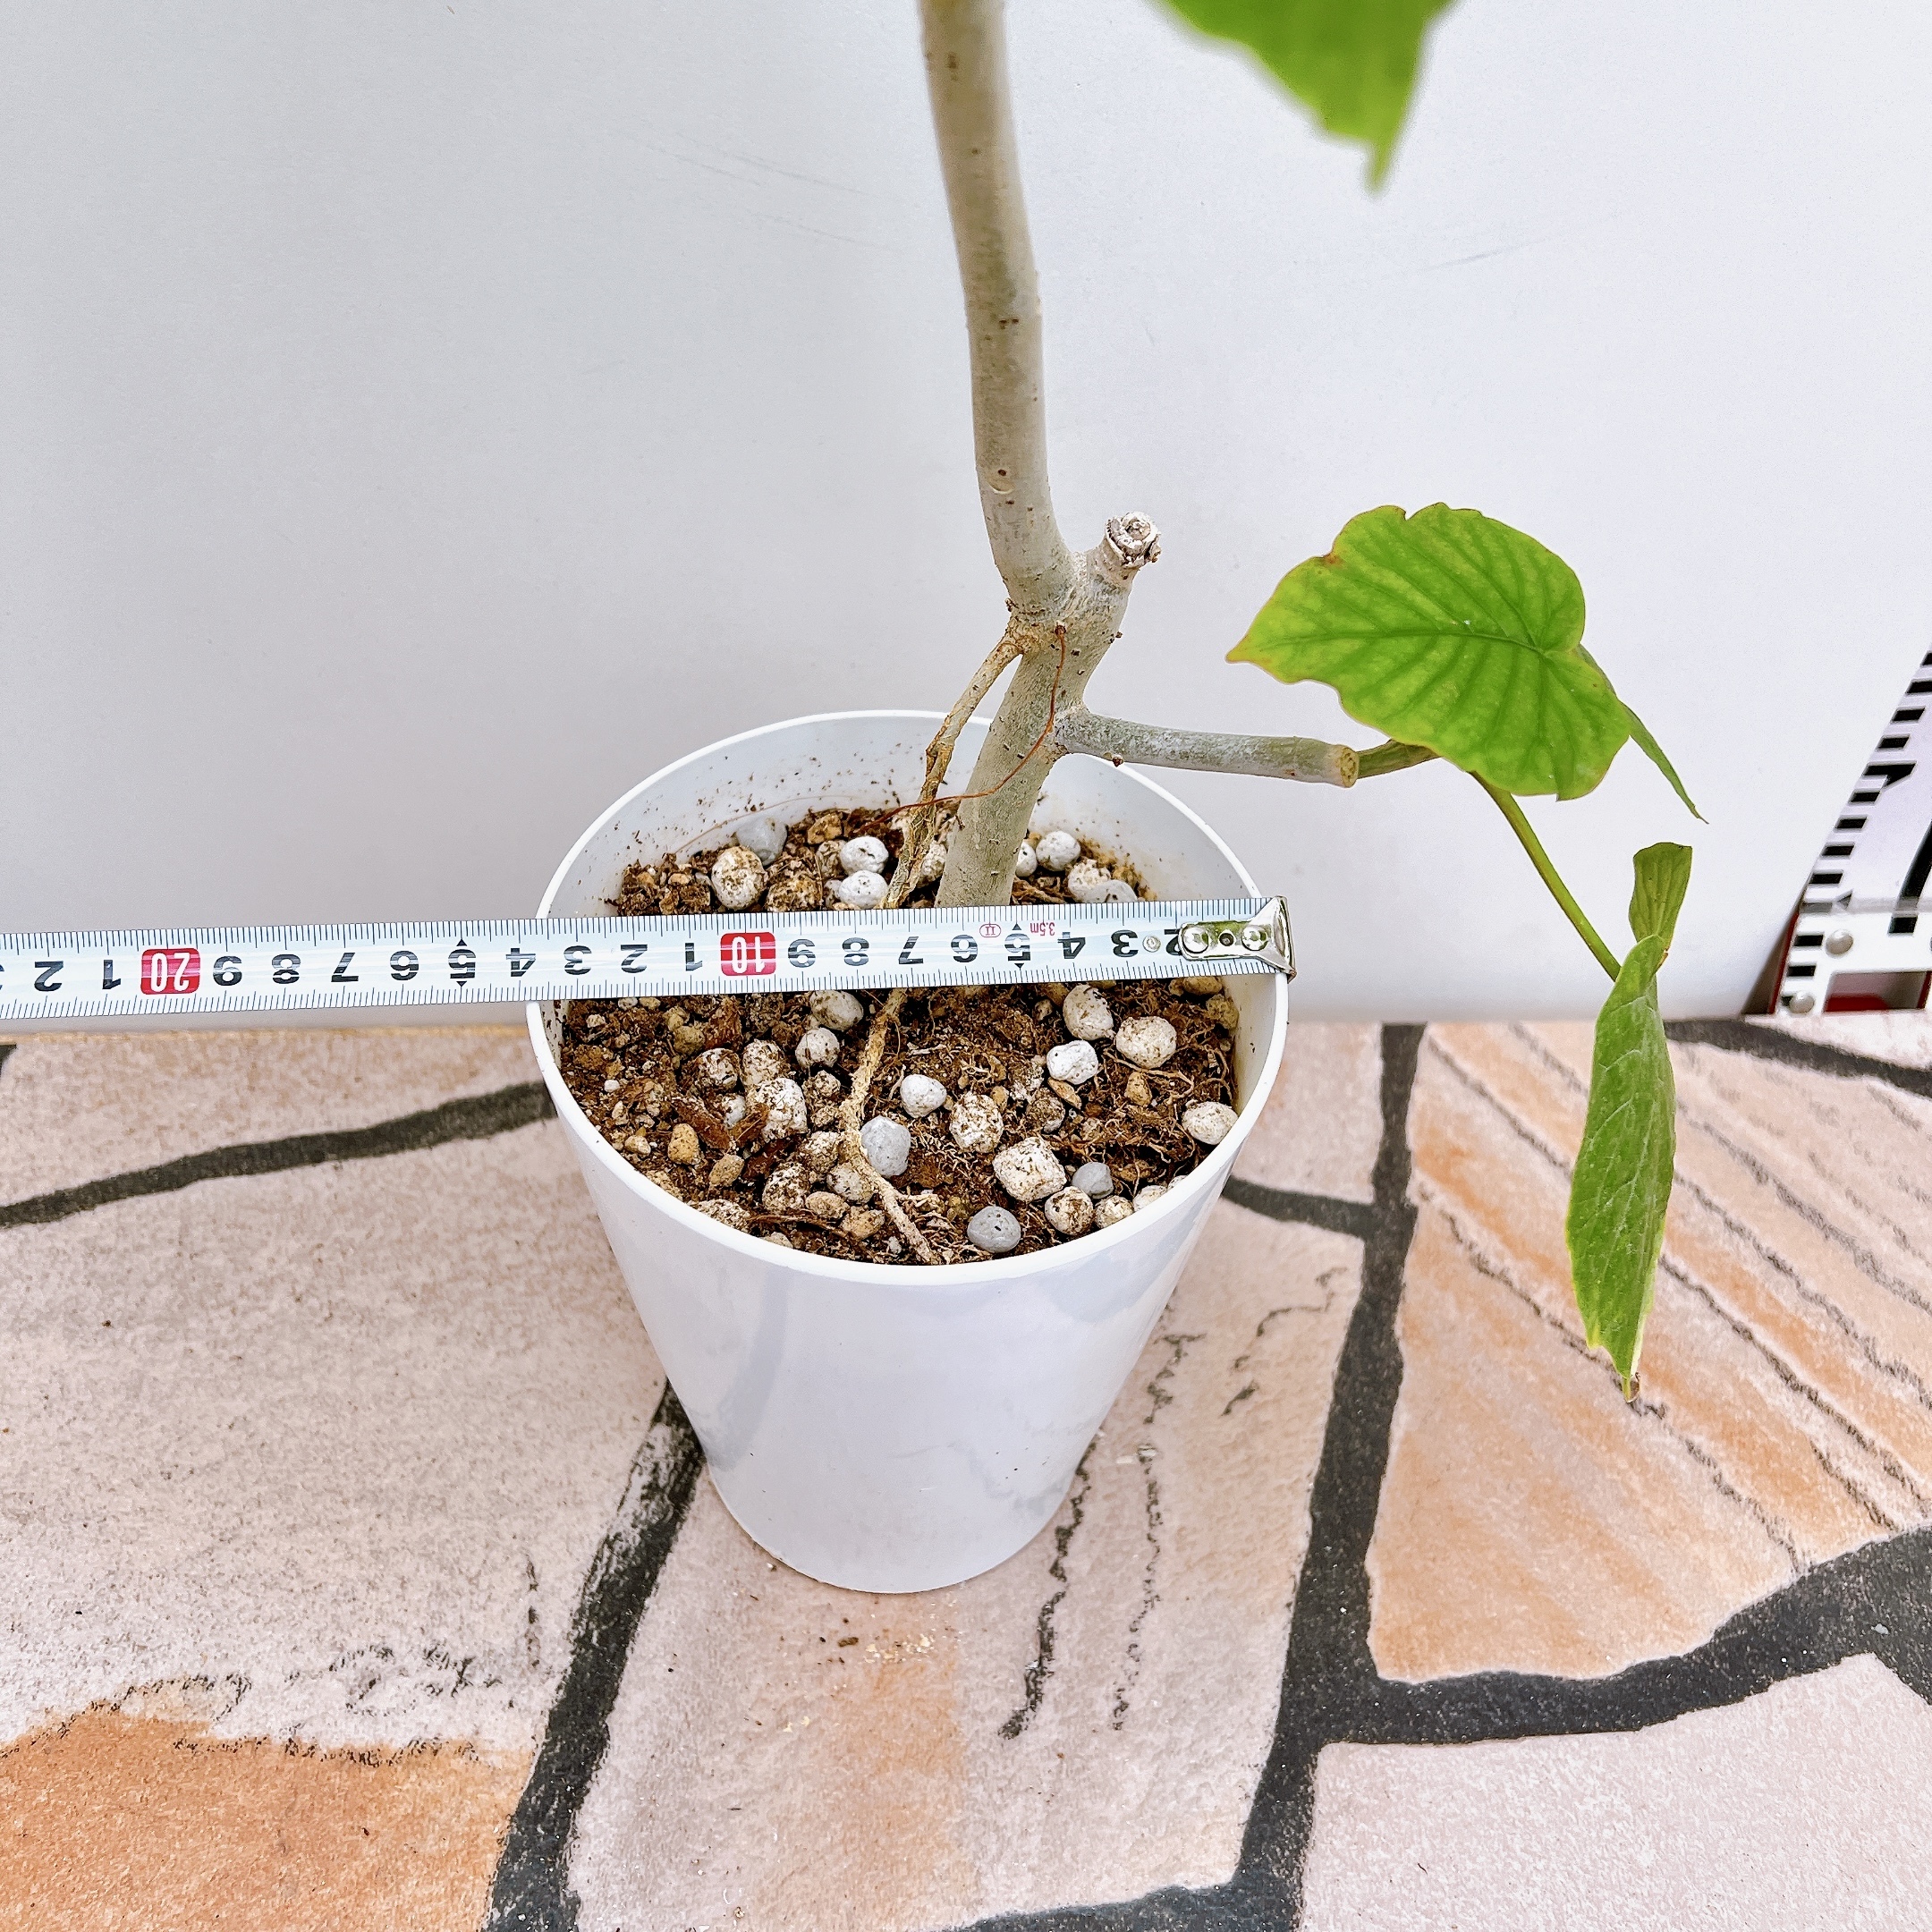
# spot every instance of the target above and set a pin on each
(356, 1569)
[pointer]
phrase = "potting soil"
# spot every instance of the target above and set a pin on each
(644, 1071)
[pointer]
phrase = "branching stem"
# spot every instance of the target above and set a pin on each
(1547, 872)
(1311, 760)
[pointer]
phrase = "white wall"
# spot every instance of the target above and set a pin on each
(421, 420)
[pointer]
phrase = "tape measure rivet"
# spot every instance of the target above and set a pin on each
(1838, 945)
(1802, 1003)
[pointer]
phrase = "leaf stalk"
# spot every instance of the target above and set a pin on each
(1547, 873)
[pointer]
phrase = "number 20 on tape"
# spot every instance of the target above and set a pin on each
(170, 970)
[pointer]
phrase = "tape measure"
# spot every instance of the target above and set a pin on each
(280, 968)
(1861, 911)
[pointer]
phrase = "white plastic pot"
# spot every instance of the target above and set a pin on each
(894, 1428)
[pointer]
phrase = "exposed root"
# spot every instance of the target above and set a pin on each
(851, 1118)
(922, 819)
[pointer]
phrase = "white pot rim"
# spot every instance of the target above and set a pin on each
(959, 1277)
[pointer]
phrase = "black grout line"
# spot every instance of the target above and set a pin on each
(1810, 1057)
(475, 1118)
(1312, 1210)
(532, 1890)
(1872, 1601)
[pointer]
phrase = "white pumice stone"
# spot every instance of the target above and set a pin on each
(852, 1183)
(821, 1151)
(1069, 1212)
(976, 1125)
(887, 1144)
(1073, 1061)
(1148, 1040)
(1087, 1014)
(1119, 892)
(787, 1188)
(1056, 851)
(820, 1049)
(783, 1101)
(836, 1008)
(765, 1060)
(718, 1067)
(727, 1211)
(933, 863)
(863, 855)
(1113, 1209)
(1210, 1122)
(994, 1231)
(1029, 1171)
(1095, 1178)
(863, 892)
(764, 835)
(920, 1094)
(1024, 864)
(733, 1109)
(1148, 1195)
(737, 876)
(1087, 882)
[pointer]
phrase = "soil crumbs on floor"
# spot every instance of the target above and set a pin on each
(683, 1090)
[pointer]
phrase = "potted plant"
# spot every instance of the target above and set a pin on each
(894, 1298)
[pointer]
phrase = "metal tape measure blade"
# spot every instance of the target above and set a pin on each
(268, 969)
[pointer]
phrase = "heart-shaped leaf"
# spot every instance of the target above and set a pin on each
(1449, 629)
(1622, 1185)
(1352, 61)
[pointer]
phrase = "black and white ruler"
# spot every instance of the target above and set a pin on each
(270, 969)
(1862, 936)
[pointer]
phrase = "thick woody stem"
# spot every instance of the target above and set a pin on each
(972, 113)
(1311, 760)
(1066, 610)
(1054, 666)
(851, 1118)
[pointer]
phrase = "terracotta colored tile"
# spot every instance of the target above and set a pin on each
(1807, 1806)
(1322, 1124)
(111, 1819)
(76, 1106)
(1781, 1418)
(761, 1760)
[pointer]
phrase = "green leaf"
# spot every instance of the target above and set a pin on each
(1352, 61)
(1449, 629)
(1640, 734)
(1663, 877)
(1623, 1182)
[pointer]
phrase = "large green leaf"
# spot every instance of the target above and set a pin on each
(1623, 1182)
(1449, 629)
(1352, 61)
